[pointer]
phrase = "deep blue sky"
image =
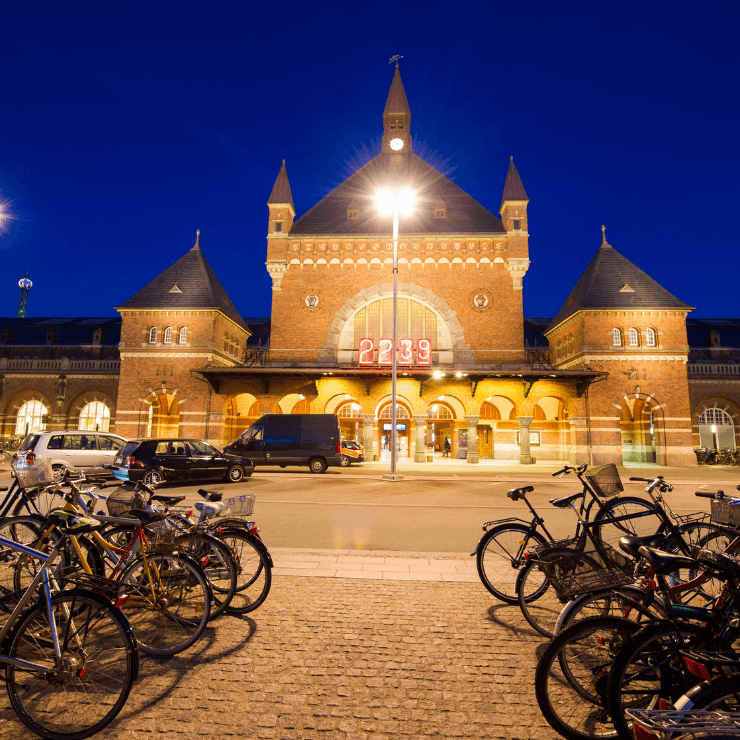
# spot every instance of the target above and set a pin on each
(124, 128)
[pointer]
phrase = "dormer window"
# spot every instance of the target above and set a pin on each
(353, 214)
(278, 226)
(440, 209)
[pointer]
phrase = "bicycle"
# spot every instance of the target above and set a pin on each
(27, 494)
(70, 659)
(500, 552)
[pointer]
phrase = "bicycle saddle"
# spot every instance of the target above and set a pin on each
(516, 493)
(169, 500)
(211, 495)
(147, 517)
(563, 503)
(631, 544)
(666, 562)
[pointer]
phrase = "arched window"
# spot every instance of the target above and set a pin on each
(183, 335)
(716, 429)
(634, 338)
(167, 335)
(31, 417)
(439, 411)
(650, 337)
(95, 417)
(414, 320)
(616, 337)
(350, 410)
(401, 412)
(153, 335)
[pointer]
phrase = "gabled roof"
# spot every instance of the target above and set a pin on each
(464, 214)
(281, 189)
(397, 101)
(513, 187)
(601, 287)
(198, 287)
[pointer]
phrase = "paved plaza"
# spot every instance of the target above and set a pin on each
(346, 647)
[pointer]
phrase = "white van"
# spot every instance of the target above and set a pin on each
(78, 450)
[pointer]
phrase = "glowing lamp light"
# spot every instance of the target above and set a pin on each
(406, 200)
(714, 428)
(437, 374)
(385, 202)
(458, 375)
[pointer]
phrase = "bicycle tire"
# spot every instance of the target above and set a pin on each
(539, 603)
(254, 571)
(40, 502)
(98, 666)
(610, 603)
(500, 557)
(570, 679)
(609, 533)
(217, 560)
(649, 667)
(178, 582)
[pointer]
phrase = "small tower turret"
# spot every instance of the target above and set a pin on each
(514, 202)
(280, 203)
(25, 285)
(397, 119)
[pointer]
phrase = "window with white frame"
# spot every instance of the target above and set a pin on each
(650, 337)
(95, 417)
(167, 335)
(634, 339)
(616, 338)
(31, 417)
(153, 335)
(183, 335)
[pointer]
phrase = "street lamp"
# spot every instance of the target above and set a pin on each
(393, 203)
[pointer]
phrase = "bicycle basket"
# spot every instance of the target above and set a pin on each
(240, 505)
(30, 475)
(573, 571)
(726, 512)
(122, 500)
(604, 480)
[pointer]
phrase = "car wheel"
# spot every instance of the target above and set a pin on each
(345, 461)
(317, 465)
(283, 465)
(235, 474)
(57, 473)
(152, 477)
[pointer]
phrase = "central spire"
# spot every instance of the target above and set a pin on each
(397, 118)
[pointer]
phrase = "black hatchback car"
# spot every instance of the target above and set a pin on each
(182, 459)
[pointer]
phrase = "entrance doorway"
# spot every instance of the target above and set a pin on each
(638, 433)
(716, 430)
(440, 427)
(350, 421)
(485, 441)
(403, 432)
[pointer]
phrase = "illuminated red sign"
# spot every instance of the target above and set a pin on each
(406, 350)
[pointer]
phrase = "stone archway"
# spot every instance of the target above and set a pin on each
(462, 352)
(642, 430)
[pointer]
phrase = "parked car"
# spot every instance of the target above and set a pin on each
(292, 439)
(76, 449)
(183, 459)
(352, 452)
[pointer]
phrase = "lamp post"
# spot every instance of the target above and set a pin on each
(393, 203)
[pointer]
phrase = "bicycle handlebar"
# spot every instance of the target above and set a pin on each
(708, 494)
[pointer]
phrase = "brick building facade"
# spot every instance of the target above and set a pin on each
(610, 379)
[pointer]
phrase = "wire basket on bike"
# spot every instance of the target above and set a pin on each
(123, 499)
(572, 569)
(240, 505)
(726, 512)
(604, 480)
(31, 475)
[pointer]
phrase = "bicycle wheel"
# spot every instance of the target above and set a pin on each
(40, 502)
(254, 571)
(500, 557)
(649, 667)
(570, 680)
(169, 602)
(614, 603)
(78, 694)
(538, 601)
(641, 522)
(218, 564)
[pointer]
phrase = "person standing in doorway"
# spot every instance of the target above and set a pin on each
(447, 447)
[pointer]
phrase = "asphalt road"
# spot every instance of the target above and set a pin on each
(357, 509)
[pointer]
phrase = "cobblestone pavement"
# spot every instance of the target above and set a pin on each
(344, 659)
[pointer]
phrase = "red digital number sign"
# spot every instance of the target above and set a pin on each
(423, 352)
(366, 354)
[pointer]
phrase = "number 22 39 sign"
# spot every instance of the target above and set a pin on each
(406, 349)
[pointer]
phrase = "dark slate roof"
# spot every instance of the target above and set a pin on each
(464, 214)
(281, 189)
(71, 331)
(513, 187)
(190, 283)
(397, 101)
(698, 331)
(611, 281)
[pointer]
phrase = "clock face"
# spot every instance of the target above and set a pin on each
(396, 144)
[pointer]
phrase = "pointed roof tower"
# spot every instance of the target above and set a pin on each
(611, 281)
(281, 194)
(190, 283)
(513, 187)
(397, 117)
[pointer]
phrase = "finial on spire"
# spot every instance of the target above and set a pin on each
(197, 238)
(603, 234)
(511, 158)
(283, 163)
(395, 58)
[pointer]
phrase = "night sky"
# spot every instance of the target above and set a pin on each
(124, 128)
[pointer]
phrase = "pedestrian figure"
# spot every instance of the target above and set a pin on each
(447, 447)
